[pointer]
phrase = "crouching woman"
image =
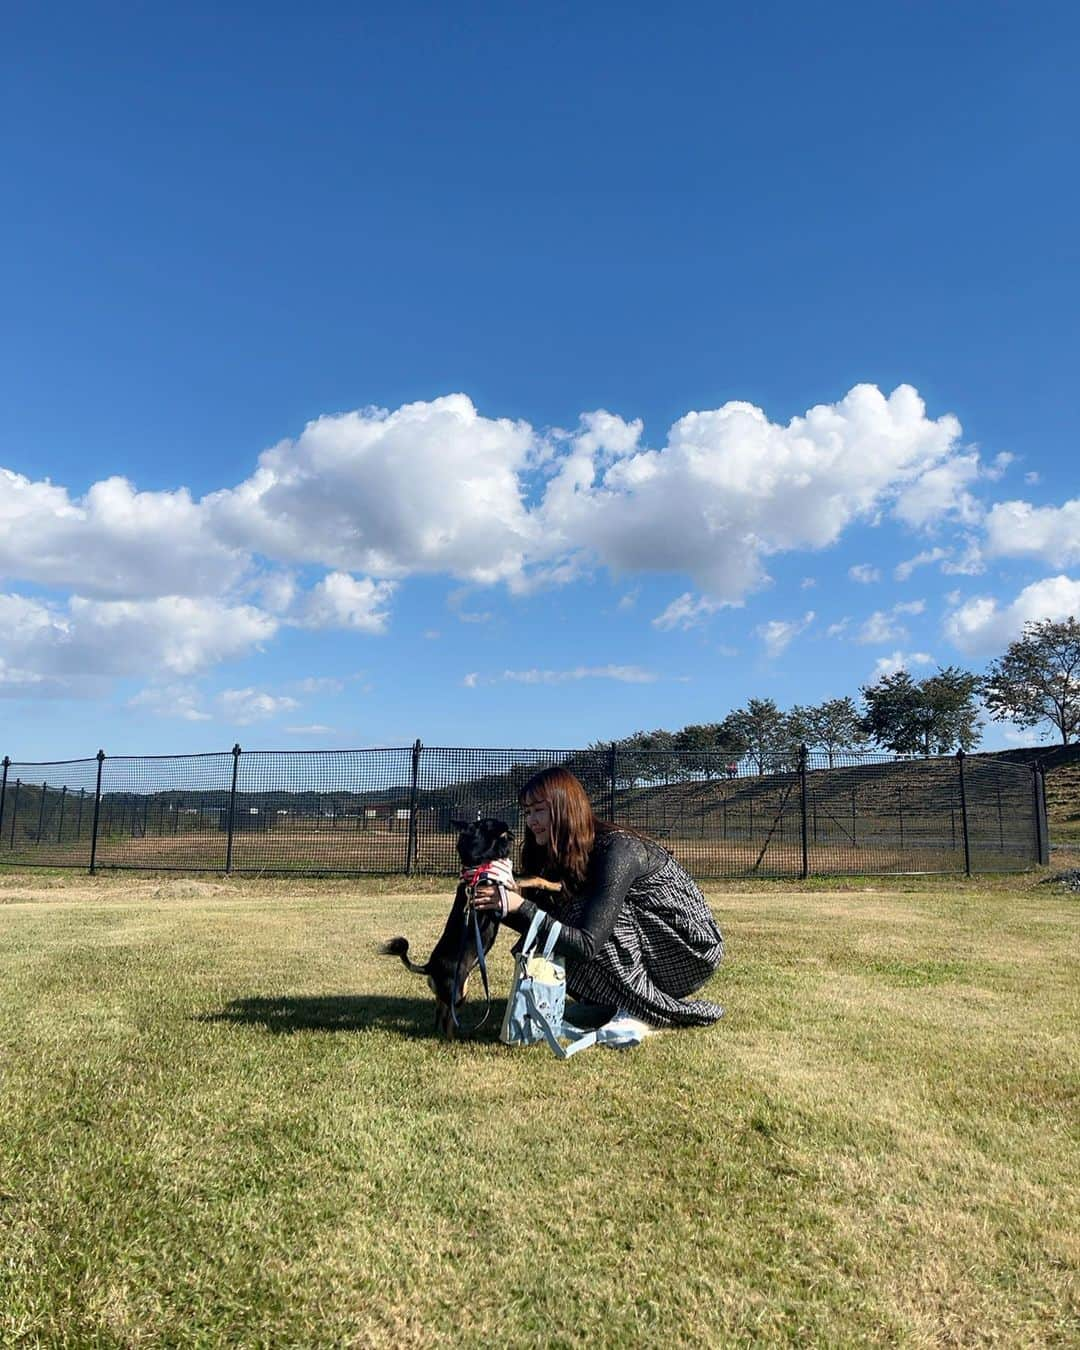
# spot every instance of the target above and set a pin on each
(637, 934)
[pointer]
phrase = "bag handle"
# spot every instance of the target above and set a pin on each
(533, 933)
(553, 937)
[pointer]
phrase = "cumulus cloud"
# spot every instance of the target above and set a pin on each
(175, 634)
(342, 601)
(389, 494)
(898, 661)
(982, 625)
(941, 492)
(1051, 533)
(730, 487)
(113, 542)
(374, 496)
(313, 729)
(243, 706)
(885, 625)
(864, 573)
(778, 634)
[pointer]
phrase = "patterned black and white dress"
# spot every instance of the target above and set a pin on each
(638, 936)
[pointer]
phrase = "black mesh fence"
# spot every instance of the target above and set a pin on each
(47, 813)
(393, 811)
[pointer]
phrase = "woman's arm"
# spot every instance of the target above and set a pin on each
(617, 861)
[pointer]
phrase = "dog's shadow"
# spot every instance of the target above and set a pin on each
(410, 1017)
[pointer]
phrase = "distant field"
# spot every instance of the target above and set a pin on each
(330, 847)
(225, 1121)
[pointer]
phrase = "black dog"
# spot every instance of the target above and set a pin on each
(451, 963)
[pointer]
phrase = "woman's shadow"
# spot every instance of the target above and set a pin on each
(412, 1017)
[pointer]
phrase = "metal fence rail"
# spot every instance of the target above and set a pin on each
(391, 811)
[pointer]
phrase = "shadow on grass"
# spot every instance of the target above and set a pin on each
(411, 1017)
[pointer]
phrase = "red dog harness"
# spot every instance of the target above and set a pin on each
(473, 876)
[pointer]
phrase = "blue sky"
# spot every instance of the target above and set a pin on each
(525, 375)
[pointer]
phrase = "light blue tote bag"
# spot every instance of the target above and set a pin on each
(535, 1010)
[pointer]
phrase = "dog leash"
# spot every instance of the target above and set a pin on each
(471, 876)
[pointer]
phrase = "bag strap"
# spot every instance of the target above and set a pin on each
(533, 933)
(553, 937)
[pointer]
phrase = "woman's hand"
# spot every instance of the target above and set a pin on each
(498, 890)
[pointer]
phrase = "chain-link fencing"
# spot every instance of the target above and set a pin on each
(393, 811)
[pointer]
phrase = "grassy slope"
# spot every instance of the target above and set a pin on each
(224, 1122)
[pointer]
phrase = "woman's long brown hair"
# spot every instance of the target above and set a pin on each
(574, 827)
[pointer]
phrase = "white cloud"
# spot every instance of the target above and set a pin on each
(277, 590)
(390, 494)
(731, 487)
(982, 625)
(314, 729)
(342, 601)
(969, 563)
(807, 583)
(114, 541)
(1000, 463)
(471, 680)
(778, 634)
(175, 700)
(243, 706)
(880, 627)
(1033, 477)
(838, 629)
(884, 625)
(319, 684)
(623, 674)
(892, 665)
(1051, 533)
(940, 492)
(437, 487)
(176, 634)
(864, 573)
(686, 611)
(902, 571)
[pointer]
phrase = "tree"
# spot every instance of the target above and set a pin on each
(1038, 678)
(831, 726)
(762, 727)
(700, 745)
(925, 717)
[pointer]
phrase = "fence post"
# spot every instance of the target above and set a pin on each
(232, 808)
(41, 814)
(1042, 830)
(964, 814)
(97, 812)
(612, 753)
(60, 827)
(3, 790)
(15, 811)
(802, 812)
(410, 846)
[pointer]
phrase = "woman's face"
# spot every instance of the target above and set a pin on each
(537, 815)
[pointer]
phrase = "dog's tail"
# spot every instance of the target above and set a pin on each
(399, 946)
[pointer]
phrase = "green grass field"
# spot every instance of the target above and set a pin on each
(224, 1121)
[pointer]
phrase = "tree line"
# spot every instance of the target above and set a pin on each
(1035, 682)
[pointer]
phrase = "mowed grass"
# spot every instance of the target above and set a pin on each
(225, 1121)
